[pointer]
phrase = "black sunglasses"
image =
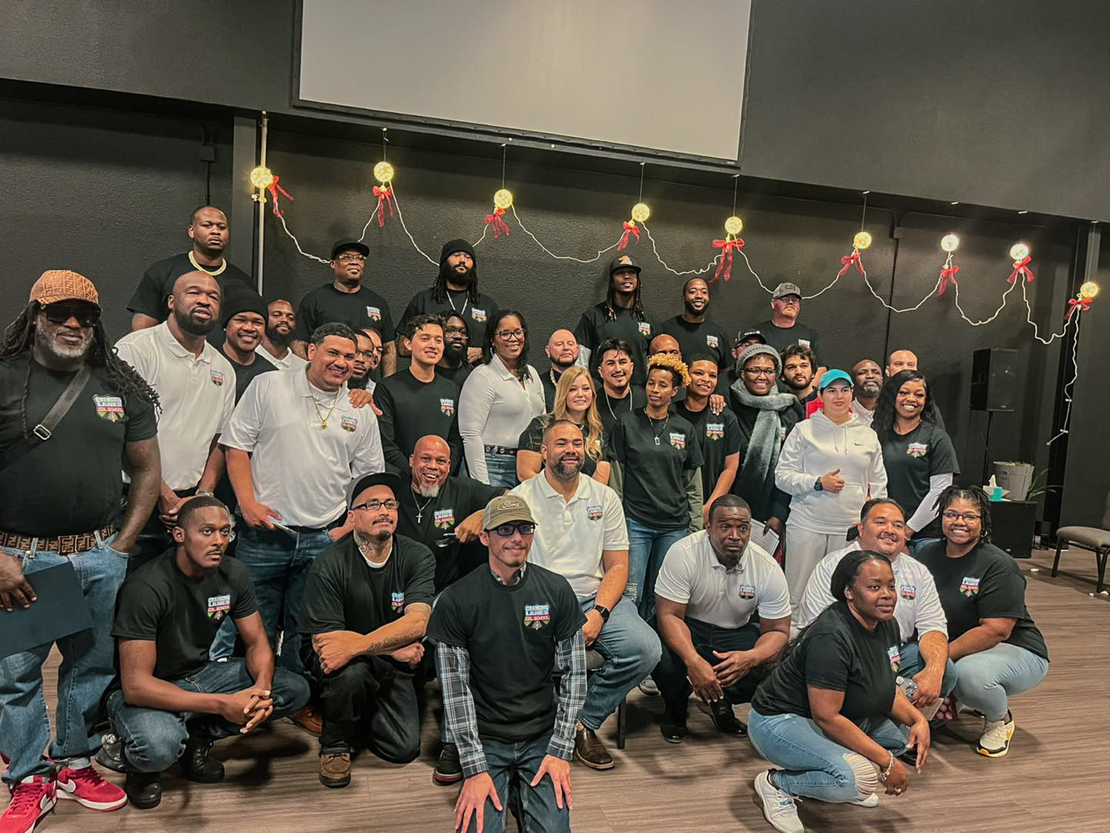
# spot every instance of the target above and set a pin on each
(59, 313)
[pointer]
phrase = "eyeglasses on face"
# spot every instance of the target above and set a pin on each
(508, 530)
(375, 505)
(510, 335)
(59, 313)
(347, 257)
(966, 517)
(454, 331)
(760, 371)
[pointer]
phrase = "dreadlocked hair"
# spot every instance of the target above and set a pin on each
(439, 286)
(637, 308)
(974, 495)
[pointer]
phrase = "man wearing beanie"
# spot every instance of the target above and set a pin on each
(244, 320)
(456, 290)
(346, 300)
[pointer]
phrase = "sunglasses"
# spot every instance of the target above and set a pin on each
(86, 314)
(508, 530)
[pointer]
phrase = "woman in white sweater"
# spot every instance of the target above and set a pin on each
(498, 400)
(830, 465)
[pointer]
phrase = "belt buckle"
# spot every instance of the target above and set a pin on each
(42, 432)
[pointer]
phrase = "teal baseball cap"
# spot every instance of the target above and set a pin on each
(830, 376)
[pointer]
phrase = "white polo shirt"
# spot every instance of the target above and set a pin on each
(918, 607)
(692, 575)
(570, 535)
(197, 395)
(291, 361)
(299, 468)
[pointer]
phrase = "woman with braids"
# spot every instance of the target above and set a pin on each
(918, 455)
(60, 505)
(657, 462)
(997, 649)
(828, 715)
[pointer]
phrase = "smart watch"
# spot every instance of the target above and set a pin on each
(817, 487)
(604, 611)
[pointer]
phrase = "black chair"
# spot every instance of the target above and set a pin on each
(1088, 538)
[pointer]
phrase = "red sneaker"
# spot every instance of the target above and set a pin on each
(87, 788)
(30, 802)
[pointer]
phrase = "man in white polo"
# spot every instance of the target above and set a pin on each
(582, 536)
(294, 445)
(882, 529)
(196, 389)
(710, 585)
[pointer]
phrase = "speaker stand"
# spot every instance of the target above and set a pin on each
(987, 450)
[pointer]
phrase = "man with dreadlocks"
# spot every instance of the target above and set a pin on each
(456, 291)
(621, 315)
(59, 504)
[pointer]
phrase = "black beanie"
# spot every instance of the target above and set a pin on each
(452, 246)
(240, 298)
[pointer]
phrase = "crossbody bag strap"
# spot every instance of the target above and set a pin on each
(43, 431)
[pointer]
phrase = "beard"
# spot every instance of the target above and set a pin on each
(58, 351)
(454, 351)
(190, 325)
(566, 470)
(694, 313)
(278, 339)
(794, 386)
(426, 490)
(870, 389)
(732, 561)
(458, 278)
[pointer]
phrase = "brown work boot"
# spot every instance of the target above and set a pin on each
(335, 769)
(589, 749)
(309, 719)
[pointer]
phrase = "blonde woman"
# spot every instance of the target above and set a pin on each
(576, 400)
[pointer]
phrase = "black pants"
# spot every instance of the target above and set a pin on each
(670, 673)
(369, 702)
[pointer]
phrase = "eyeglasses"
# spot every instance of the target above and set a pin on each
(455, 331)
(60, 313)
(375, 505)
(510, 335)
(347, 257)
(966, 517)
(508, 530)
(760, 371)
(373, 351)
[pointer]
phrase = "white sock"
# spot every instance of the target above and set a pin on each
(78, 763)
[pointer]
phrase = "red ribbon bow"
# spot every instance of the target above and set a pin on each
(947, 274)
(849, 261)
(274, 190)
(1075, 304)
(499, 225)
(384, 195)
(629, 228)
(1021, 268)
(724, 265)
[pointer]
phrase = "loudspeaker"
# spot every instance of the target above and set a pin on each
(994, 379)
(1014, 524)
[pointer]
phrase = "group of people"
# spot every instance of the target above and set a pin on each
(306, 526)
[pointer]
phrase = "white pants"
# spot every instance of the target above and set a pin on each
(803, 551)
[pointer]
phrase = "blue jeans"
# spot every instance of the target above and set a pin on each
(501, 470)
(88, 666)
(813, 766)
(646, 548)
(153, 739)
(911, 663)
(986, 680)
(631, 650)
(278, 565)
(512, 766)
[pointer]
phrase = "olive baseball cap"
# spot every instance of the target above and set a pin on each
(505, 509)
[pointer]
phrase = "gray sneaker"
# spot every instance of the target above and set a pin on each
(778, 806)
(110, 754)
(648, 687)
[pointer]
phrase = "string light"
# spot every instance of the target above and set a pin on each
(383, 172)
(1089, 290)
(950, 243)
(503, 199)
(1019, 251)
(734, 225)
(261, 177)
(862, 241)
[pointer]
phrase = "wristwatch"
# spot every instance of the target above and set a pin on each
(604, 611)
(817, 487)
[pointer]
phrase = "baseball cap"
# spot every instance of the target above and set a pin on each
(349, 246)
(624, 262)
(382, 478)
(830, 376)
(63, 285)
(505, 509)
(745, 335)
(784, 289)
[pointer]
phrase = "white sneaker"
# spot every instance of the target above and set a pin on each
(995, 740)
(778, 807)
(648, 687)
(871, 801)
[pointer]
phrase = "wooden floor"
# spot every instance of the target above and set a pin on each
(1055, 777)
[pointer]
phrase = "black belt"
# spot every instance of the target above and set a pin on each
(500, 449)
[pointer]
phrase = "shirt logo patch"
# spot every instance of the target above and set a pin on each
(895, 657)
(595, 513)
(678, 440)
(714, 430)
(747, 591)
(444, 518)
(969, 586)
(477, 314)
(447, 407)
(110, 408)
(918, 449)
(217, 377)
(397, 601)
(644, 327)
(908, 592)
(374, 313)
(712, 341)
(348, 423)
(537, 616)
(218, 607)
(802, 342)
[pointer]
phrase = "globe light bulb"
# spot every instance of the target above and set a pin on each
(262, 177)
(1019, 251)
(503, 199)
(1088, 290)
(383, 172)
(861, 240)
(640, 212)
(950, 243)
(734, 225)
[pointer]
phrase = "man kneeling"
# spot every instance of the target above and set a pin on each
(174, 702)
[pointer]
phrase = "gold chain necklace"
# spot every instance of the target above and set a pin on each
(220, 271)
(325, 417)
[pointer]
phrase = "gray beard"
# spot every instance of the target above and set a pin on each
(427, 491)
(51, 349)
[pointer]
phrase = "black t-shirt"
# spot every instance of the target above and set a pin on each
(782, 337)
(719, 436)
(475, 315)
(455, 374)
(157, 285)
(707, 338)
(326, 305)
(910, 460)
(72, 482)
(181, 614)
(246, 373)
(984, 584)
(532, 438)
(344, 593)
(836, 653)
(654, 489)
(412, 409)
(595, 326)
(458, 499)
(610, 409)
(510, 634)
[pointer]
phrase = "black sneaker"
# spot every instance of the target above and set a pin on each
(673, 727)
(448, 769)
(196, 765)
(144, 790)
(110, 754)
(726, 721)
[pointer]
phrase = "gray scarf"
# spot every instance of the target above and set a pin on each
(757, 471)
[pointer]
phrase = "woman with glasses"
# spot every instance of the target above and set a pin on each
(918, 454)
(575, 399)
(997, 649)
(498, 400)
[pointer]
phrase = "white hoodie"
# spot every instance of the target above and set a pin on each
(816, 447)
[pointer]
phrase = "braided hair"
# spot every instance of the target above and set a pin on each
(973, 495)
(637, 308)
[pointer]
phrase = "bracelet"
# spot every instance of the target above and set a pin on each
(886, 772)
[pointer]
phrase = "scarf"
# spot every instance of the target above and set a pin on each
(757, 471)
